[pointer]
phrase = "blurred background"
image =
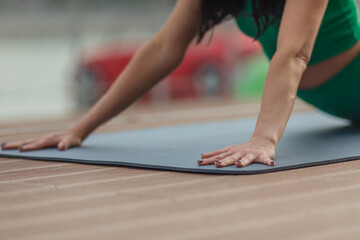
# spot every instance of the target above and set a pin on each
(57, 57)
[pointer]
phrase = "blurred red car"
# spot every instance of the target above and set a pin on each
(204, 71)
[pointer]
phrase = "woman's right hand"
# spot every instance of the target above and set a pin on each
(62, 140)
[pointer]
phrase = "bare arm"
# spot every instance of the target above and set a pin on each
(298, 30)
(299, 27)
(150, 64)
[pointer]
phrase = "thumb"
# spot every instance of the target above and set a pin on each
(63, 145)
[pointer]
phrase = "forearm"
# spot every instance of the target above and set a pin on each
(148, 66)
(279, 96)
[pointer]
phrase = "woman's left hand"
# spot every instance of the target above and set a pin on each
(256, 150)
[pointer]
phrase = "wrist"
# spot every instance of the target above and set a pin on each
(79, 131)
(270, 140)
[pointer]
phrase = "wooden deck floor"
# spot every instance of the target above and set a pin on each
(52, 200)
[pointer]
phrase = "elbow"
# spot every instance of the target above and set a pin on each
(287, 66)
(302, 58)
(298, 57)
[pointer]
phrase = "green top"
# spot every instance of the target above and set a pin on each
(339, 30)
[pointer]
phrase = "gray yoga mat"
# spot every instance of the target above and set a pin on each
(310, 139)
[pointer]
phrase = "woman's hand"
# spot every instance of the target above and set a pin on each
(62, 140)
(256, 150)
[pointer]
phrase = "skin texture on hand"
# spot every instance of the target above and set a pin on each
(62, 140)
(256, 150)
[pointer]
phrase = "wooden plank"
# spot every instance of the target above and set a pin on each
(44, 208)
(96, 221)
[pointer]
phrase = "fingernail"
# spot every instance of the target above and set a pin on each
(272, 163)
(21, 149)
(238, 162)
(218, 162)
(200, 161)
(3, 144)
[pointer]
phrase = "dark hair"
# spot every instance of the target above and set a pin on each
(215, 11)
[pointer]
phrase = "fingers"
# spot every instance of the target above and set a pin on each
(265, 160)
(43, 143)
(230, 160)
(212, 160)
(65, 144)
(246, 160)
(62, 144)
(215, 153)
(15, 145)
(61, 140)
(240, 159)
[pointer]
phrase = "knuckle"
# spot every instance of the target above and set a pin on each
(229, 153)
(20, 143)
(41, 141)
(252, 156)
(238, 155)
(232, 159)
(229, 147)
(232, 151)
(244, 159)
(50, 135)
(263, 155)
